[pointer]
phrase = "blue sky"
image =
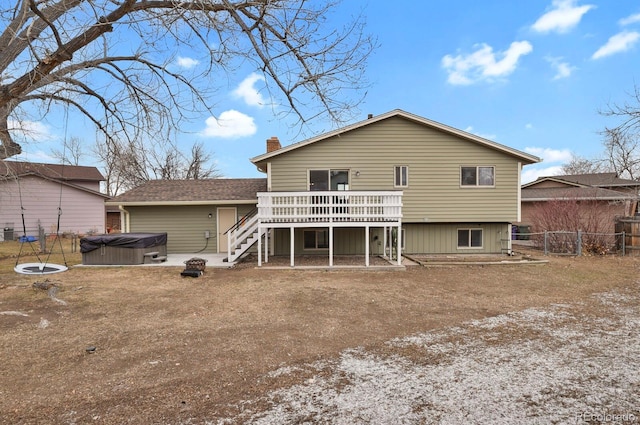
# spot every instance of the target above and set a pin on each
(531, 75)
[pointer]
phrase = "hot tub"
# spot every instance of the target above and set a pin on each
(121, 248)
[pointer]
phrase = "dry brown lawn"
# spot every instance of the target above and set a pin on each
(175, 350)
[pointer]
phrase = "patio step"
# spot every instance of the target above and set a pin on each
(154, 257)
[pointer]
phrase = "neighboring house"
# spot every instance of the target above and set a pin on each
(396, 182)
(45, 194)
(605, 194)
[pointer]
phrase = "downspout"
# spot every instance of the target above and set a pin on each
(124, 219)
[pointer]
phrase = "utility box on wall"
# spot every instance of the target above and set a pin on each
(8, 232)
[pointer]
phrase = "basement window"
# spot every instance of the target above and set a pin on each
(316, 239)
(469, 238)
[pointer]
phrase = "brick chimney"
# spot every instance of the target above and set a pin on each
(273, 144)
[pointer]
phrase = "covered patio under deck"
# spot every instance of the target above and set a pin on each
(331, 210)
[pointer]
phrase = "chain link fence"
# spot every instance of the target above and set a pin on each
(36, 237)
(562, 242)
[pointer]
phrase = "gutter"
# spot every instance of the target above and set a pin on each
(179, 203)
(568, 198)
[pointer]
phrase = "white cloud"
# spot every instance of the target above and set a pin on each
(483, 64)
(563, 16)
(230, 124)
(563, 69)
(550, 155)
(618, 43)
(630, 20)
(30, 131)
(528, 126)
(247, 92)
(187, 63)
(484, 136)
(531, 173)
(37, 156)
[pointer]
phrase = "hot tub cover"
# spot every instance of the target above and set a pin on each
(123, 240)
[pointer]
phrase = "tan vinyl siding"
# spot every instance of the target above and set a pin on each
(442, 238)
(184, 225)
(419, 239)
(434, 159)
(347, 241)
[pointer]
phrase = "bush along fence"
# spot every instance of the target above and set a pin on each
(564, 242)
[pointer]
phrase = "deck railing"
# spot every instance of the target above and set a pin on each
(330, 206)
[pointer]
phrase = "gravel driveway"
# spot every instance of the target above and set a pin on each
(565, 364)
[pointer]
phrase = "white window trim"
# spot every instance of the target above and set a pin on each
(394, 175)
(469, 229)
(477, 185)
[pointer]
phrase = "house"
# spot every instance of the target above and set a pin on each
(195, 214)
(605, 195)
(50, 195)
(392, 183)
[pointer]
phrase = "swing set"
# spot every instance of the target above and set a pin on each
(43, 266)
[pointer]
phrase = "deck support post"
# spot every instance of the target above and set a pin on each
(259, 247)
(330, 246)
(384, 241)
(366, 245)
(292, 248)
(399, 248)
(266, 243)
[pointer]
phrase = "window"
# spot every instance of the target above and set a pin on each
(477, 176)
(316, 239)
(469, 238)
(328, 180)
(401, 173)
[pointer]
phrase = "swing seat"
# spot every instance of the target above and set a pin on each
(28, 239)
(39, 268)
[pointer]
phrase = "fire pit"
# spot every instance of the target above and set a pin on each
(194, 267)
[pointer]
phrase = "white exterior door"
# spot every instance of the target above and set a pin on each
(226, 219)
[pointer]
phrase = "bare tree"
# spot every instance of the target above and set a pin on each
(72, 152)
(581, 165)
(622, 141)
(127, 164)
(621, 148)
(196, 165)
(563, 217)
(113, 61)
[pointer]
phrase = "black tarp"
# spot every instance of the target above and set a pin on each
(123, 240)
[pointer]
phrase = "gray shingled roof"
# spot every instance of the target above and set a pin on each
(52, 171)
(593, 179)
(592, 193)
(208, 190)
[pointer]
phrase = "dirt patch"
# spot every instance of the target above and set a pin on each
(176, 350)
